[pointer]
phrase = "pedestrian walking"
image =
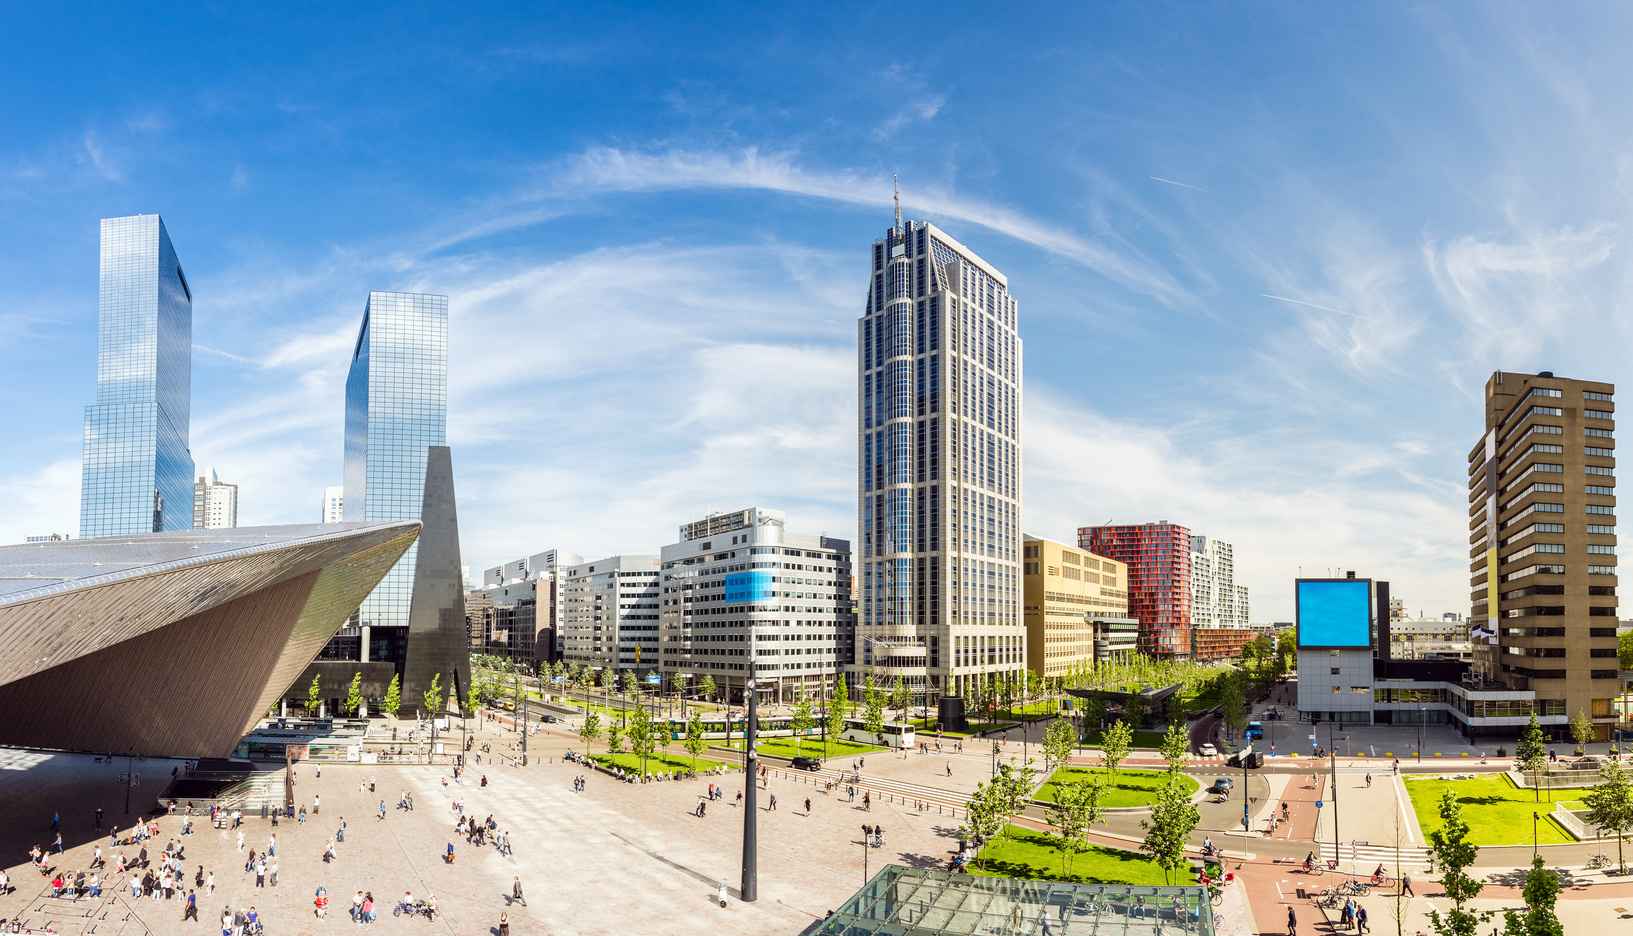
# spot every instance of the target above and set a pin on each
(773, 805)
(314, 804)
(211, 884)
(99, 810)
(867, 802)
(260, 873)
(504, 924)
(191, 913)
(1292, 921)
(240, 841)
(1406, 885)
(807, 806)
(1360, 920)
(340, 833)
(272, 872)
(516, 892)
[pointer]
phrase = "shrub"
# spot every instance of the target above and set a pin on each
(1502, 752)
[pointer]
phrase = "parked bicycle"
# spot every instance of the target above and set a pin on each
(1598, 861)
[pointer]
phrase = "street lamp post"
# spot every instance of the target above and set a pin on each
(1534, 819)
(750, 884)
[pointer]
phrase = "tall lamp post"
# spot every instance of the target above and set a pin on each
(750, 886)
(1534, 819)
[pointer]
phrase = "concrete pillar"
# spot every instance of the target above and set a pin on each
(363, 645)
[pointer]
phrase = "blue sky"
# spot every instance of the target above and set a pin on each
(652, 226)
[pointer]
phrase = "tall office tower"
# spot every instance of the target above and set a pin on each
(398, 467)
(1158, 556)
(138, 472)
(738, 587)
(939, 512)
(1542, 545)
(1076, 608)
(1216, 599)
(334, 504)
(610, 614)
(215, 505)
(532, 585)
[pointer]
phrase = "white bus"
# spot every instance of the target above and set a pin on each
(896, 734)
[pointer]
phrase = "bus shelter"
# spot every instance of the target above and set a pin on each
(901, 901)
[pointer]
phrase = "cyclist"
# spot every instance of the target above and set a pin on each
(1309, 862)
(1379, 875)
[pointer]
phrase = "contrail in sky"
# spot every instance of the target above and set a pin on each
(1323, 308)
(1183, 185)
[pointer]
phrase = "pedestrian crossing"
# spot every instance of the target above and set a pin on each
(1366, 857)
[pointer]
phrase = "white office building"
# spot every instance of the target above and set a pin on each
(215, 505)
(610, 614)
(739, 587)
(533, 580)
(939, 451)
(334, 502)
(1216, 599)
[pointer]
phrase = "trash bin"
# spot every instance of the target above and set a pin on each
(265, 810)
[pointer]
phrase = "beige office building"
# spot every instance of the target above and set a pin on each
(1542, 545)
(1071, 598)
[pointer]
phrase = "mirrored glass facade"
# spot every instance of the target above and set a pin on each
(396, 408)
(138, 472)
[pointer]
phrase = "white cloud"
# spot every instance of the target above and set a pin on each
(42, 501)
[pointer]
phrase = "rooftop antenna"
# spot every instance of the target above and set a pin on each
(898, 188)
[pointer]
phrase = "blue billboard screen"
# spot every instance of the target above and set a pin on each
(1335, 613)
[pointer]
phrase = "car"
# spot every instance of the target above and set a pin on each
(1219, 712)
(550, 719)
(1221, 785)
(807, 763)
(1208, 750)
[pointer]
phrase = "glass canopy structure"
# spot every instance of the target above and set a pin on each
(902, 901)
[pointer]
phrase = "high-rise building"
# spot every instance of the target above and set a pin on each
(1216, 599)
(215, 505)
(1542, 544)
(1076, 608)
(1158, 557)
(739, 588)
(138, 472)
(610, 614)
(531, 586)
(398, 467)
(939, 492)
(334, 504)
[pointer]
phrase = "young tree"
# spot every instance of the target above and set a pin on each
(898, 697)
(1058, 741)
(1624, 649)
(590, 730)
(631, 684)
(433, 696)
(1531, 753)
(1176, 710)
(694, 736)
(873, 716)
(802, 720)
(1610, 805)
(1076, 808)
(643, 737)
(1581, 729)
(615, 737)
(1168, 831)
(394, 697)
(1014, 787)
(706, 687)
(1176, 749)
(1115, 743)
(836, 715)
(973, 696)
(1232, 698)
(983, 815)
(313, 696)
(354, 695)
(470, 700)
(1540, 894)
(1452, 853)
(1095, 717)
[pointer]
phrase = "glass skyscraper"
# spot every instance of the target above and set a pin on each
(939, 450)
(396, 409)
(138, 472)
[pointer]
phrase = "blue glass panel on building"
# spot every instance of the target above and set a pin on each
(748, 586)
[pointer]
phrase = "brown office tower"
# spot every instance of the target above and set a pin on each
(1542, 516)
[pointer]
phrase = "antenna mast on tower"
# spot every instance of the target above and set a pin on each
(898, 188)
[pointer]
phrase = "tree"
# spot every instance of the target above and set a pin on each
(983, 815)
(898, 697)
(615, 737)
(1610, 805)
(1096, 714)
(706, 687)
(694, 736)
(1058, 741)
(470, 699)
(1624, 649)
(1540, 894)
(836, 715)
(354, 695)
(873, 717)
(1232, 698)
(1168, 831)
(433, 696)
(1013, 786)
(607, 679)
(643, 738)
(1076, 808)
(974, 696)
(802, 720)
(631, 684)
(1115, 743)
(394, 697)
(1531, 753)
(1176, 749)
(1452, 853)
(1581, 729)
(590, 730)
(313, 695)
(1176, 710)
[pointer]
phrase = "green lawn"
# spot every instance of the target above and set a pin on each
(1128, 787)
(1029, 854)
(657, 763)
(1498, 813)
(811, 747)
(1142, 739)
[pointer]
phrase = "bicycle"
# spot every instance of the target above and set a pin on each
(1314, 867)
(1597, 861)
(1354, 889)
(1382, 880)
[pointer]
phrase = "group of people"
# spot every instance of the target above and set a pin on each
(873, 836)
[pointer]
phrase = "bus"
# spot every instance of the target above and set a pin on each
(1255, 731)
(716, 728)
(896, 734)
